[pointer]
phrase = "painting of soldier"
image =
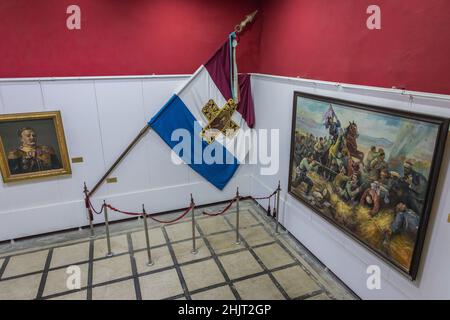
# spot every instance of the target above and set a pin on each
(369, 170)
(32, 145)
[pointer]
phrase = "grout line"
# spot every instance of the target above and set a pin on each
(178, 296)
(219, 264)
(44, 275)
(211, 287)
(3, 267)
(256, 257)
(309, 295)
(134, 270)
(177, 266)
(90, 270)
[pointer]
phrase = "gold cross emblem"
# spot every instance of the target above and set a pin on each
(219, 121)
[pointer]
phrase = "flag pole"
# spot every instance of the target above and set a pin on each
(238, 29)
(120, 158)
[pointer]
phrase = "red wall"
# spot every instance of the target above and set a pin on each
(119, 37)
(318, 39)
(329, 40)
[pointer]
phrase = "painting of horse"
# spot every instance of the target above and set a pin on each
(370, 171)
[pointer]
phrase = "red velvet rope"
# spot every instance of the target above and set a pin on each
(263, 198)
(124, 212)
(220, 212)
(174, 220)
(92, 207)
(88, 207)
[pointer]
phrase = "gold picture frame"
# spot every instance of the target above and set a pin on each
(32, 146)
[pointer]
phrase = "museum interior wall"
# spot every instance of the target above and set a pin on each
(319, 40)
(130, 37)
(98, 128)
(329, 40)
(340, 253)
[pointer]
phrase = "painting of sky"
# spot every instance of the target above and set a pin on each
(400, 137)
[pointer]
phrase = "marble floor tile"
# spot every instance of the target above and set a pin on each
(273, 256)
(71, 254)
(57, 280)
(123, 290)
(119, 244)
(258, 288)
(160, 256)
(160, 285)
(295, 281)
(183, 250)
(240, 264)
(156, 238)
(256, 235)
(202, 274)
(224, 242)
(23, 288)
(111, 268)
(213, 224)
(25, 263)
(180, 231)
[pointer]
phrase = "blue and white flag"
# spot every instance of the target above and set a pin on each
(210, 115)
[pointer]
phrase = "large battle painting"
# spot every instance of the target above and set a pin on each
(369, 170)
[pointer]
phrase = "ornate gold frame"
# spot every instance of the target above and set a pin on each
(57, 122)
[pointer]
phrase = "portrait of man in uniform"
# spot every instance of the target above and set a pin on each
(31, 157)
(32, 146)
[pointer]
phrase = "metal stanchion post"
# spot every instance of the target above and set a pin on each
(89, 212)
(278, 208)
(238, 240)
(194, 248)
(147, 238)
(108, 240)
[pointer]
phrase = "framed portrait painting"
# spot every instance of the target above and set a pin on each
(32, 145)
(370, 171)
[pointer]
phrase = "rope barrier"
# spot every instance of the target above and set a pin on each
(264, 198)
(124, 212)
(90, 206)
(220, 212)
(174, 220)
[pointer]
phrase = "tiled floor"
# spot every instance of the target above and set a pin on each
(262, 266)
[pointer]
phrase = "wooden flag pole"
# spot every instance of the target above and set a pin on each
(120, 158)
(238, 29)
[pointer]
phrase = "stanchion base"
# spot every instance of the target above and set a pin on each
(150, 264)
(238, 243)
(194, 251)
(110, 254)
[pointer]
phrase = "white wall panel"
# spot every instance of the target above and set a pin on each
(22, 97)
(77, 103)
(101, 117)
(121, 112)
(18, 98)
(159, 160)
(2, 107)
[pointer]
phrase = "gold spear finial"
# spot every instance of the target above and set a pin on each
(248, 19)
